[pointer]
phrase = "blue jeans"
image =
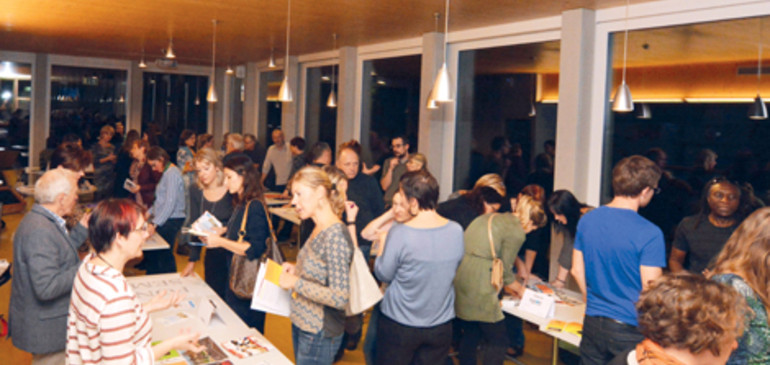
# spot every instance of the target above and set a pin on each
(314, 348)
(605, 338)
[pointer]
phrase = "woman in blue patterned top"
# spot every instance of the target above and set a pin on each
(744, 264)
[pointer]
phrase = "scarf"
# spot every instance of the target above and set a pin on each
(650, 353)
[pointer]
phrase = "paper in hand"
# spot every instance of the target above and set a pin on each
(207, 222)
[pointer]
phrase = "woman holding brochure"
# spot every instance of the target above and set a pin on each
(107, 324)
(243, 182)
(209, 194)
(320, 279)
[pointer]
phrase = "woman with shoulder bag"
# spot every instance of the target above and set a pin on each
(210, 194)
(489, 237)
(243, 182)
(320, 279)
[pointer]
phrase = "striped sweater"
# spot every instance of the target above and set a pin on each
(106, 324)
(323, 287)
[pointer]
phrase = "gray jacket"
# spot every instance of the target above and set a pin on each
(45, 260)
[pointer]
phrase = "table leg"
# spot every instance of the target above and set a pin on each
(555, 354)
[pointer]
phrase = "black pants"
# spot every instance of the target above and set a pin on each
(242, 307)
(604, 338)
(162, 261)
(216, 267)
(399, 344)
(495, 340)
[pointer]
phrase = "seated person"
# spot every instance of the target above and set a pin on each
(686, 320)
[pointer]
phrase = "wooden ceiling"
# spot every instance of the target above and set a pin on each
(248, 29)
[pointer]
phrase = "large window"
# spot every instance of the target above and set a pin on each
(270, 111)
(174, 102)
(15, 94)
(85, 99)
(238, 95)
(320, 115)
(693, 86)
(506, 114)
(391, 104)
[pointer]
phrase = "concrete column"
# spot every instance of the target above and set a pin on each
(290, 111)
(134, 98)
(40, 119)
(576, 160)
(250, 102)
(432, 125)
(313, 105)
(346, 95)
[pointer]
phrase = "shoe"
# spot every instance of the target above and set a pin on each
(513, 352)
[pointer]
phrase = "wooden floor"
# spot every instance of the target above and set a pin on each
(277, 329)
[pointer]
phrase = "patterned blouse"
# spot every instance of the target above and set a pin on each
(323, 288)
(754, 346)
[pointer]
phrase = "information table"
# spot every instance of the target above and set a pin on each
(224, 325)
(569, 308)
(155, 242)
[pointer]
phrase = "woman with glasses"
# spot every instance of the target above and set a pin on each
(107, 323)
(699, 238)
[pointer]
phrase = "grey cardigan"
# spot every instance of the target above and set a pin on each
(45, 260)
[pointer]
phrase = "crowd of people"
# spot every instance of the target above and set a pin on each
(434, 259)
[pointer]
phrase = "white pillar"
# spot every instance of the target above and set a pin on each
(251, 102)
(290, 111)
(346, 95)
(578, 134)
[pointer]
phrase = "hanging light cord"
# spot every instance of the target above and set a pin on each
(334, 47)
(446, 28)
(288, 34)
(213, 50)
(625, 42)
(759, 58)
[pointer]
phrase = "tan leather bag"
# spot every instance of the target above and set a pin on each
(497, 263)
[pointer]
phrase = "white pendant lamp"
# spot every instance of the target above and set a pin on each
(211, 96)
(758, 109)
(644, 112)
(623, 101)
(142, 64)
(442, 86)
(284, 93)
(170, 50)
(271, 61)
(229, 70)
(331, 102)
(432, 104)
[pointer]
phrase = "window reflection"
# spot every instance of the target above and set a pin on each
(15, 93)
(320, 118)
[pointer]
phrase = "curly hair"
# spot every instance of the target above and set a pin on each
(313, 177)
(690, 312)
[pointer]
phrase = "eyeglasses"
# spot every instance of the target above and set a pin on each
(656, 190)
(143, 228)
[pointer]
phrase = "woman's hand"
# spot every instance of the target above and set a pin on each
(214, 238)
(84, 219)
(515, 289)
(351, 211)
(288, 279)
(189, 269)
(558, 283)
(187, 342)
(134, 189)
(161, 301)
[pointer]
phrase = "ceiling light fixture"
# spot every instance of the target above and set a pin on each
(142, 64)
(284, 93)
(758, 110)
(211, 96)
(623, 102)
(442, 92)
(229, 70)
(644, 112)
(170, 50)
(332, 101)
(432, 104)
(271, 61)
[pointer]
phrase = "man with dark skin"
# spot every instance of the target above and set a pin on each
(699, 238)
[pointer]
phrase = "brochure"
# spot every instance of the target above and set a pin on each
(268, 295)
(211, 355)
(245, 347)
(129, 185)
(207, 222)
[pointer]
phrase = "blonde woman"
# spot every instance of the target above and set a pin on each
(104, 163)
(417, 162)
(209, 194)
(320, 278)
(476, 303)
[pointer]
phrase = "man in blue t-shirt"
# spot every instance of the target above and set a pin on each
(617, 253)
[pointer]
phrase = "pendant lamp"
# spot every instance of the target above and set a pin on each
(284, 93)
(432, 102)
(142, 64)
(758, 109)
(644, 111)
(229, 70)
(442, 86)
(211, 96)
(623, 102)
(331, 102)
(271, 61)
(170, 50)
